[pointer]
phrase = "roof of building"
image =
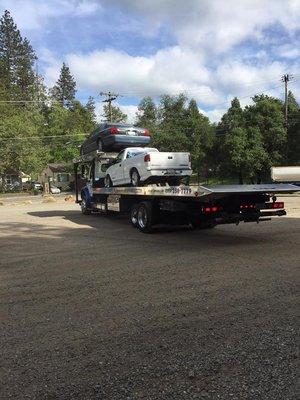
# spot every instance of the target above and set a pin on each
(59, 167)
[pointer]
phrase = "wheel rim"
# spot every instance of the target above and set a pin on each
(107, 181)
(142, 217)
(134, 178)
(134, 216)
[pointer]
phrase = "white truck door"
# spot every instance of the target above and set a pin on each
(127, 165)
(116, 171)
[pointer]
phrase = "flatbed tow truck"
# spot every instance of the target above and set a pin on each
(200, 207)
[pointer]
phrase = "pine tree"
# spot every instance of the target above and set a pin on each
(90, 107)
(233, 118)
(17, 59)
(65, 89)
(114, 114)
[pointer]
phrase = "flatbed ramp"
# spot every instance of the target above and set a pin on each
(198, 191)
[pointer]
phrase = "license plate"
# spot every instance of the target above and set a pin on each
(132, 133)
(170, 172)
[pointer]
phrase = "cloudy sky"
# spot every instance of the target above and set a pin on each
(211, 50)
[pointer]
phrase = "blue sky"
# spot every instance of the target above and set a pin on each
(211, 50)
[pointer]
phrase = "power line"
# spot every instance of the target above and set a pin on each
(113, 96)
(41, 137)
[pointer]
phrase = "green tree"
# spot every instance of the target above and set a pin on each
(199, 134)
(17, 61)
(65, 89)
(147, 114)
(90, 107)
(21, 144)
(232, 123)
(266, 115)
(246, 153)
(233, 118)
(293, 131)
(114, 114)
(170, 132)
(66, 130)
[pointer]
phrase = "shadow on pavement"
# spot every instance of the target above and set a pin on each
(117, 226)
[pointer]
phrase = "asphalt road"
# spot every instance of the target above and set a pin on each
(93, 309)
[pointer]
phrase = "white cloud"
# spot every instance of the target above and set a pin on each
(130, 111)
(169, 71)
(289, 51)
(214, 25)
(237, 77)
(32, 14)
(214, 115)
(52, 66)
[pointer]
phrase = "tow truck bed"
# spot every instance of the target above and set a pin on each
(198, 206)
(197, 191)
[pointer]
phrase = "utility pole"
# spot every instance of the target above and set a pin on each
(285, 79)
(110, 98)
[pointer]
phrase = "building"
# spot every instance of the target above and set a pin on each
(58, 175)
(11, 180)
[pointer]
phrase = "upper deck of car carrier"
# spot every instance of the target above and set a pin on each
(191, 191)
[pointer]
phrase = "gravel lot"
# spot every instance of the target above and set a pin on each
(93, 309)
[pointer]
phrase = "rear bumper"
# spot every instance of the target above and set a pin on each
(166, 172)
(258, 216)
(122, 141)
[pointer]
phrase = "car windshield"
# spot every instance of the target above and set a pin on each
(120, 125)
(137, 152)
(133, 153)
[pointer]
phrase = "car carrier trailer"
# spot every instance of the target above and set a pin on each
(198, 206)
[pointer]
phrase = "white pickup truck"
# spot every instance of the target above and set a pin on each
(136, 166)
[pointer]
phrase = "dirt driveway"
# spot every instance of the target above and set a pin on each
(93, 309)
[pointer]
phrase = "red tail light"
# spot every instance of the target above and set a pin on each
(279, 204)
(246, 206)
(146, 132)
(147, 158)
(208, 210)
(114, 130)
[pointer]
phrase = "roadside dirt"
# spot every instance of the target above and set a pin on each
(93, 309)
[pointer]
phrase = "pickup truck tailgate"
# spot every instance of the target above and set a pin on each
(169, 160)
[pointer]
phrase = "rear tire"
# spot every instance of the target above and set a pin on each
(84, 206)
(145, 216)
(135, 178)
(134, 215)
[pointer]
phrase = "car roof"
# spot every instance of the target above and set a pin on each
(141, 149)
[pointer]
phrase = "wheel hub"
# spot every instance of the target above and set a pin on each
(142, 217)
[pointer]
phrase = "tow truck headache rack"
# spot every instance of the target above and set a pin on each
(197, 206)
